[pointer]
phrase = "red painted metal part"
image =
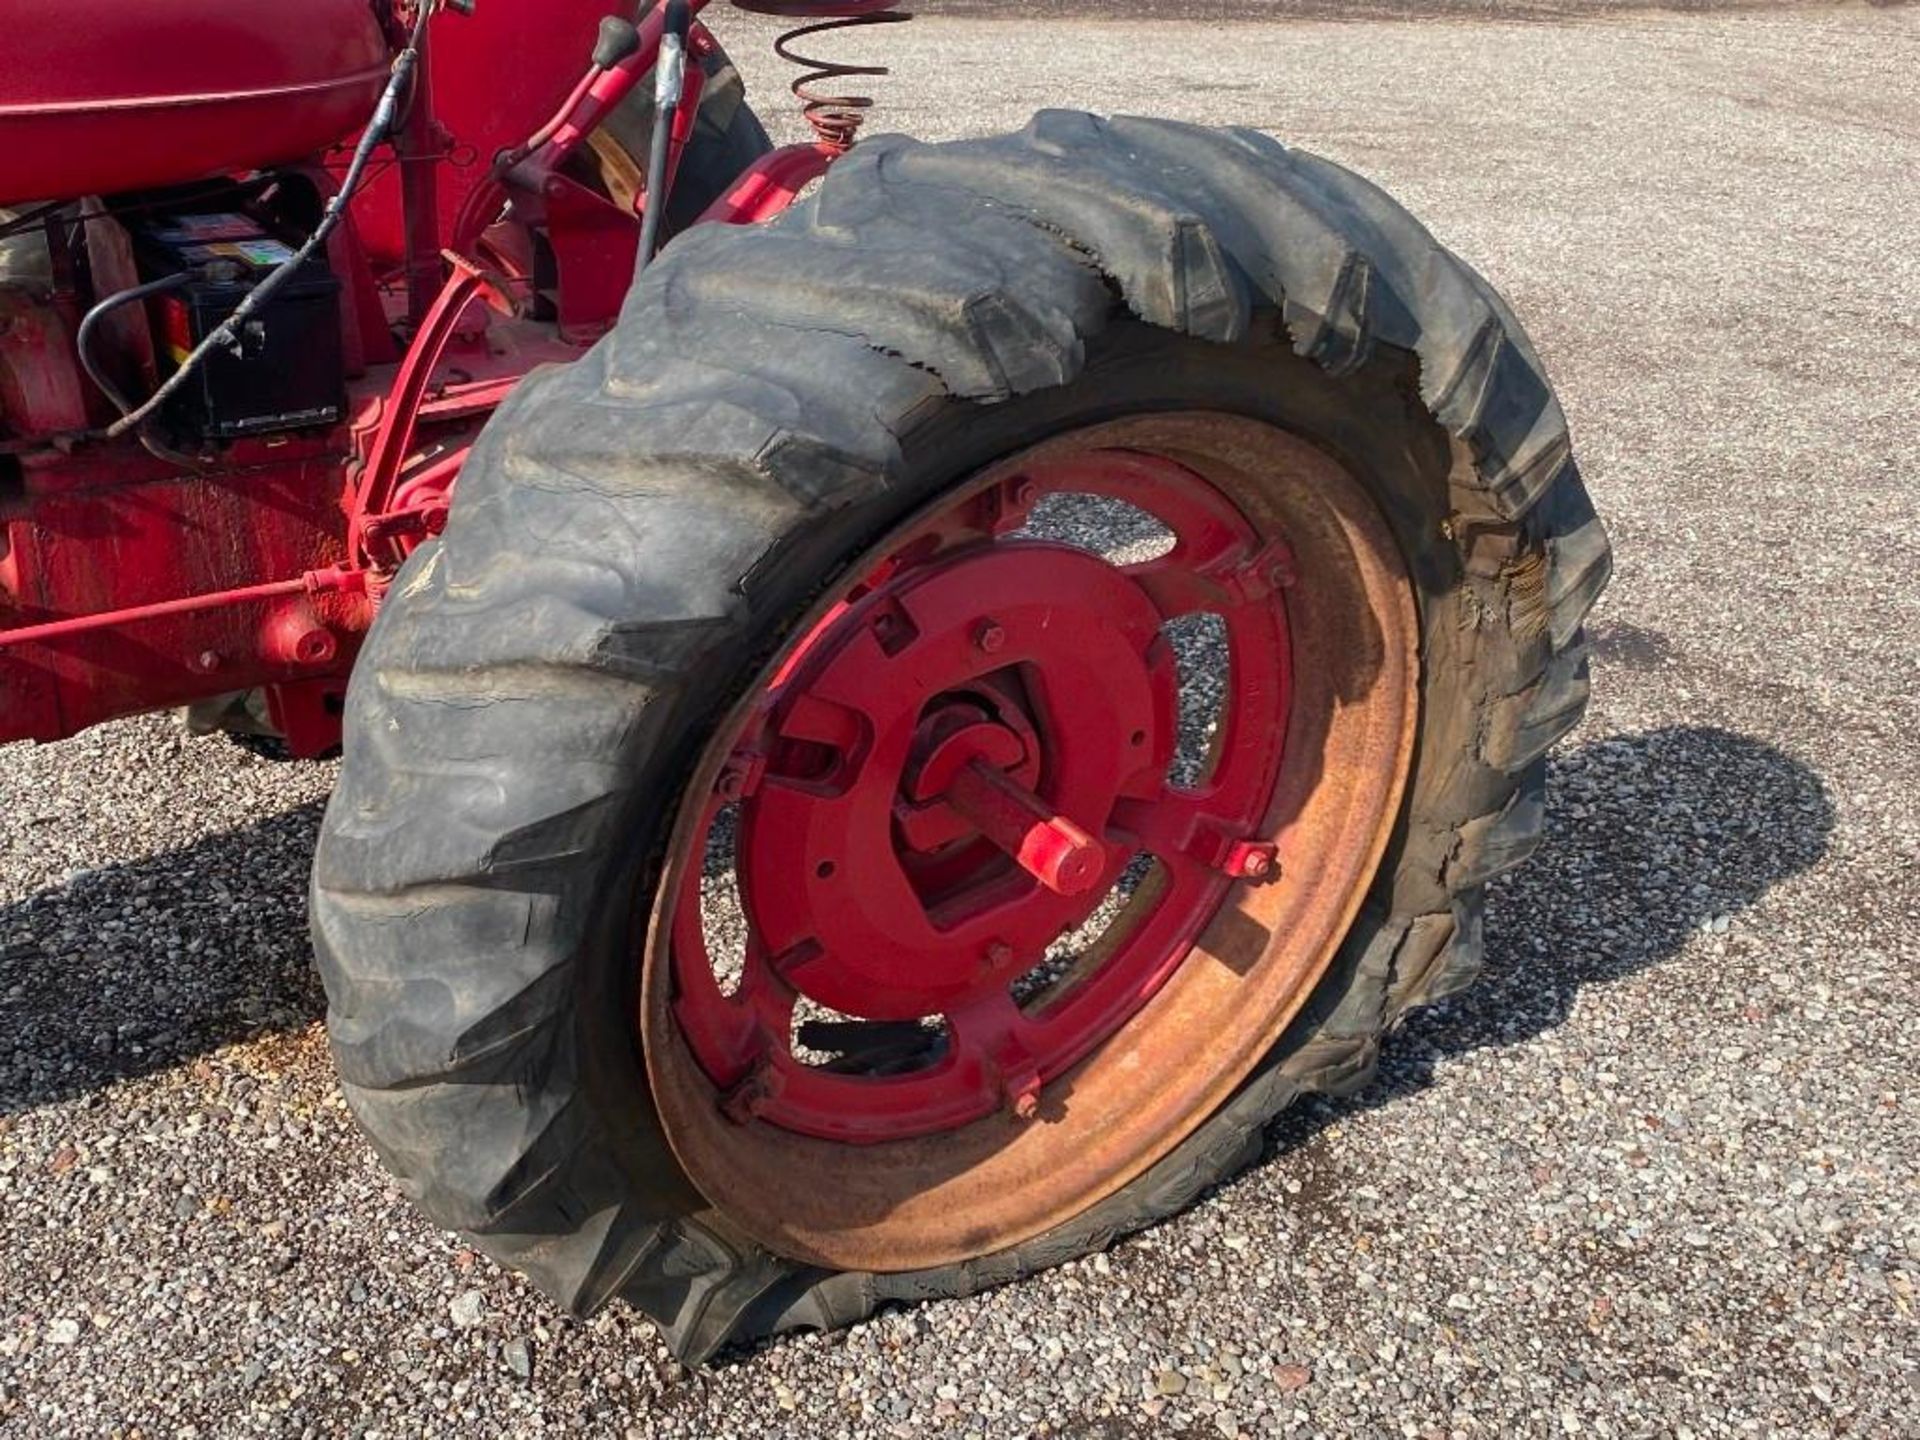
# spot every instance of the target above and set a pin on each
(1041, 841)
(954, 770)
(686, 116)
(593, 242)
(77, 626)
(400, 415)
(95, 539)
(98, 96)
(417, 159)
(128, 583)
(771, 185)
(40, 387)
(497, 76)
(132, 586)
(609, 87)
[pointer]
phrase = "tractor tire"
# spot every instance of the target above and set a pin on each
(727, 138)
(814, 448)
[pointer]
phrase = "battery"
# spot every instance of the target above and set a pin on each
(286, 370)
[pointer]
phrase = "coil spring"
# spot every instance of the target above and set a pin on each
(835, 117)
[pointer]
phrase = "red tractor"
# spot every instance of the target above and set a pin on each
(882, 745)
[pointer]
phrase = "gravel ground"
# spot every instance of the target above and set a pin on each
(1656, 1175)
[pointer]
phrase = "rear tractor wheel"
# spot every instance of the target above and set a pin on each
(971, 700)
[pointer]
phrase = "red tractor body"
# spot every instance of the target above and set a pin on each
(98, 97)
(236, 551)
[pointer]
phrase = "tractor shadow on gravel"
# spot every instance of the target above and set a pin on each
(141, 967)
(1652, 838)
(133, 969)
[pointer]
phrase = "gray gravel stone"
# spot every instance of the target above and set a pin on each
(519, 1358)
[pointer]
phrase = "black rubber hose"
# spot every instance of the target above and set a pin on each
(90, 322)
(670, 78)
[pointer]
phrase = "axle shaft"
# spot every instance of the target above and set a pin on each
(1049, 847)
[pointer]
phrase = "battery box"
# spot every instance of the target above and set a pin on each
(287, 371)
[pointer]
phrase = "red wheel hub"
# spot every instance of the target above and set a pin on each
(953, 771)
(843, 873)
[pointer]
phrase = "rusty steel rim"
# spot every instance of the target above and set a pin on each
(998, 958)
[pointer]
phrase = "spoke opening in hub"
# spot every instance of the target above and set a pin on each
(1082, 951)
(825, 1039)
(1121, 534)
(1204, 658)
(723, 919)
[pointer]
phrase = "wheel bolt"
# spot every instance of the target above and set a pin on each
(1258, 861)
(751, 1098)
(990, 637)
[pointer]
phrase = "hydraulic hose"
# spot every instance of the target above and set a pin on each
(670, 79)
(90, 322)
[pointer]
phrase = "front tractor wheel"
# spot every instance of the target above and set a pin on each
(973, 698)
